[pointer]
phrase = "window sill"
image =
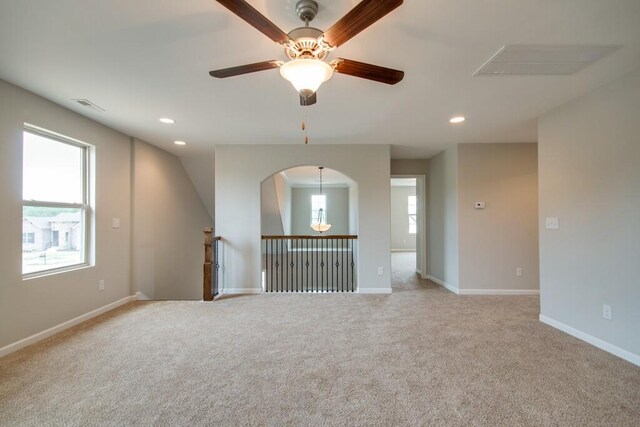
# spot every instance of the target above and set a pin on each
(55, 271)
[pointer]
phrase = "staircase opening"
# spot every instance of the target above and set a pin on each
(295, 258)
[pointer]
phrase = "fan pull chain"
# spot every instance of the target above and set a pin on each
(304, 128)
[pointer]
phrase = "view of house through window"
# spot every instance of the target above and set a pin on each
(412, 214)
(318, 201)
(55, 202)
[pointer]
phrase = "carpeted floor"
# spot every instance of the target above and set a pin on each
(419, 356)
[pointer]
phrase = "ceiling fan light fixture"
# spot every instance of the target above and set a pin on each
(306, 74)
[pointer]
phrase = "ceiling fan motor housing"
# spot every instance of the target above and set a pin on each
(305, 44)
(307, 10)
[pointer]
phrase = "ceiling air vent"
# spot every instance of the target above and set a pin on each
(543, 60)
(88, 104)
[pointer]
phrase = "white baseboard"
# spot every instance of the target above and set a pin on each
(499, 292)
(404, 250)
(597, 342)
(443, 284)
(63, 326)
(139, 296)
(374, 290)
(241, 291)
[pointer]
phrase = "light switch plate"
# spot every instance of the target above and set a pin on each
(115, 223)
(552, 223)
(380, 271)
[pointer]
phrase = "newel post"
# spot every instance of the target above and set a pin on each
(207, 288)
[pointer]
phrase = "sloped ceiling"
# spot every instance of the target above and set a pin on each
(145, 59)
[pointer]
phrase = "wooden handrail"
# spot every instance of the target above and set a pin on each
(349, 237)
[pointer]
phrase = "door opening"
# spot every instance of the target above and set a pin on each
(408, 229)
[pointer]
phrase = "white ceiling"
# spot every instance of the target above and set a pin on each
(309, 176)
(145, 59)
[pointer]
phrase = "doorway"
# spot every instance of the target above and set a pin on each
(408, 229)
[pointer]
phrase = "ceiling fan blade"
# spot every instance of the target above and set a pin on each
(305, 101)
(257, 20)
(368, 71)
(360, 17)
(244, 69)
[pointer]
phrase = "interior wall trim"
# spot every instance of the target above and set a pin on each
(596, 342)
(499, 291)
(10, 348)
(443, 284)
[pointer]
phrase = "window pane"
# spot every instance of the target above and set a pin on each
(318, 201)
(412, 205)
(53, 171)
(51, 237)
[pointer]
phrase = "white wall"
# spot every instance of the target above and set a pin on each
(494, 241)
(241, 168)
(401, 240)
(168, 222)
(589, 165)
(442, 217)
(31, 306)
(337, 210)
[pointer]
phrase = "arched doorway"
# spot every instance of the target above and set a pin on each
(295, 258)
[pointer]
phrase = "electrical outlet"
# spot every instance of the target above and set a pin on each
(380, 271)
(552, 223)
(115, 222)
(480, 205)
(101, 285)
(606, 312)
(519, 272)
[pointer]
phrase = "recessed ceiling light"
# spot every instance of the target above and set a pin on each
(179, 142)
(458, 119)
(166, 120)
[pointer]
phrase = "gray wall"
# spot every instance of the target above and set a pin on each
(496, 240)
(168, 219)
(589, 165)
(31, 306)
(401, 240)
(270, 217)
(409, 166)
(283, 197)
(442, 217)
(337, 210)
(241, 168)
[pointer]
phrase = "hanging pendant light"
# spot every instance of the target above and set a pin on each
(320, 225)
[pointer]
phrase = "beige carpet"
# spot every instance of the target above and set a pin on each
(419, 356)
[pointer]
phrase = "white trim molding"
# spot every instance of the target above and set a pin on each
(63, 326)
(597, 342)
(443, 284)
(499, 291)
(241, 291)
(374, 290)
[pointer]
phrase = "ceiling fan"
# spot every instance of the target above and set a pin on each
(308, 47)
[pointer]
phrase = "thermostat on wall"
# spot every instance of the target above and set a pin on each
(480, 205)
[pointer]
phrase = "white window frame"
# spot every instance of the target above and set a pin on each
(412, 217)
(314, 218)
(84, 206)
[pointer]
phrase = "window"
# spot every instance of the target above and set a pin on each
(411, 208)
(318, 201)
(55, 200)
